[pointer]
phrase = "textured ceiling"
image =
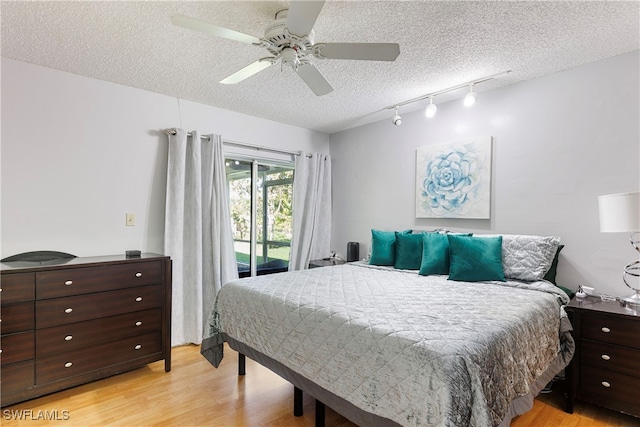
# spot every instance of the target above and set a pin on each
(442, 44)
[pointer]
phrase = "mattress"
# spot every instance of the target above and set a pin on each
(415, 350)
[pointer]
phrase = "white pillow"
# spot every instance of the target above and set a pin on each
(527, 258)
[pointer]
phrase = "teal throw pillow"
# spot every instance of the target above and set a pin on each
(408, 251)
(383, 247)
(435, 254)
(551, 274)
(475, 259)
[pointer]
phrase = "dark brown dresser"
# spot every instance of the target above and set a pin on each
(605, 368)
(70, 321)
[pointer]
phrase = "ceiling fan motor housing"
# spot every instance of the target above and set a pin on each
(278, 37)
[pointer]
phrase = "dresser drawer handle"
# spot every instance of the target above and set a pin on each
(138, 323)
(606, 384)
(606, 357)
(68, 282)
(0, 351)
(68, 365)
(68, 338)
(138, 274)
(138, 299)
(606, 330)
(68, 310)
(137, 347)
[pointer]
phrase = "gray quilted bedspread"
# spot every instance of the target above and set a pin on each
(421, 351)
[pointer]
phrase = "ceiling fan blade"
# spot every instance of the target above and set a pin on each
(358, 51)
(247, 71)
(302, 15)
(205, 27)
(314, 79)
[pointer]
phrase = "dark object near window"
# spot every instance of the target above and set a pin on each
(38, 256)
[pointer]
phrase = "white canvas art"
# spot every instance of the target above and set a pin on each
(453, 180)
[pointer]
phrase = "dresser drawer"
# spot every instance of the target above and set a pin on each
(17, 347)
(61, 339)
(610, 389)
(17, 317)
(17, 377)
(615, 330)
(74, 281)
(610, 357)
(61, 311)
(60, 366)
(17, 287)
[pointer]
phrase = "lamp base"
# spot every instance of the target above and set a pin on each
(633, 299)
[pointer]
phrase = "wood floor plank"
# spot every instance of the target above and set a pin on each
(196, 394)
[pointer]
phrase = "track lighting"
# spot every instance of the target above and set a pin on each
(470, 99)
(397, 120)
(431, 109)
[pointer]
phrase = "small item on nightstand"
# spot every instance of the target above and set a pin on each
(132, 254)
(580, 293)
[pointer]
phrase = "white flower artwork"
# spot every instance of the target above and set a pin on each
(453, 180)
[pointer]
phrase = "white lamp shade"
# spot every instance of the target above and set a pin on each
(619, 212)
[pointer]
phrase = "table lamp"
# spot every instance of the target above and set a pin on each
(620, 213)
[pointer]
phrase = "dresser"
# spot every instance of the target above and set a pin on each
(70, 321)
(605, 368)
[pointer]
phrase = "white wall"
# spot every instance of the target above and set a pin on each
(79, 153)
(559, 142)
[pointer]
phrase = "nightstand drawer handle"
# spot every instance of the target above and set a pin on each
(139, 299)
(138, 323)
(606, 357)
(68, 310)
(138, 274)
(606, 330)
(137, 347)
(606, 384)
(68, 338)
(68, 365)
(68, 282)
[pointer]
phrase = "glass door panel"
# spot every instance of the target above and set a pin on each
(266, 190)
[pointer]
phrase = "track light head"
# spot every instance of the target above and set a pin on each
(397, 120)
(431, 109)
(470, 99)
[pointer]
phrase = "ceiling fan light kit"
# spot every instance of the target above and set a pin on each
(290, 41)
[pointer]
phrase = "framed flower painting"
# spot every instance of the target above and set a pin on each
(453, 180)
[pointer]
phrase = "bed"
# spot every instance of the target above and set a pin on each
(387, 346)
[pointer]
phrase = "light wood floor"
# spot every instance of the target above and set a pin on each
(194, 393)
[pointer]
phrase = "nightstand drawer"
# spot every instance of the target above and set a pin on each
(17, 287)
(74, 281)
(610, 357)
(61, 339)
(615, 330)
(60, 311)
(68, 364)
(17, 317)
(17, 347)
(610, 389)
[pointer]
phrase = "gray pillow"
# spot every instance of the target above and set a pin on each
(528, 258)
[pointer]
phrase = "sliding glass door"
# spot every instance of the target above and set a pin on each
(260, 196)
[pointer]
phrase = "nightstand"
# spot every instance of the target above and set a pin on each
(605, 368)
(315, 263)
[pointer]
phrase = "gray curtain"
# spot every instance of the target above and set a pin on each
(311, 210)
(198, 235)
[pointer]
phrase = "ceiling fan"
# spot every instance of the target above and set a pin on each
(290, 41)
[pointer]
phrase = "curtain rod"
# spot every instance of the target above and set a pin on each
(172, 131)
